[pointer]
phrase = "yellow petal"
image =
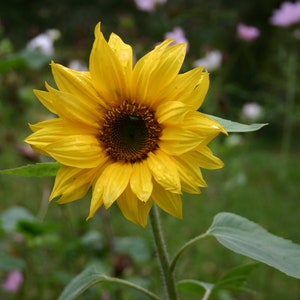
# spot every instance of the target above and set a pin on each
(75, 109)
(71, 184)
(95, 205)
(46, 99)
(122, 51)
(38, 150)
(97, 198)
(133, 209)
(75, 82)
(164, 171)
(51, 131)
(141, 181)
(206, 159)
(113, 182)
(80, 151)
(97, 195)
(171, 112)
(156, 70)
(61, 127)
(203, 124)
(189, 88)
(176, 140)
(43, 124)
(41, 138)
(107, 72)
(190, 174)
(168, 201)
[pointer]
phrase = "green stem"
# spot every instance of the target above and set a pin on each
(183, 248)
(206, 295)
(168, 276)
(131, 285)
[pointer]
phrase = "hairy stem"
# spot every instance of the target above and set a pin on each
(167, 275)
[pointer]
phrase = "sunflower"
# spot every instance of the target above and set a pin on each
(131, 133)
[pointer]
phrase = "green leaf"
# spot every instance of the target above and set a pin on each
(231, 126)
(236, 278)
(81, 283)
(90, 277)
(195, 286)
(247, 238)
(34, 170)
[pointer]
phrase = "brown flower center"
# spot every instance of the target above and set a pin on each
(130, 131)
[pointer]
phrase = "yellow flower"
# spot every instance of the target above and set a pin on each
(132, 133)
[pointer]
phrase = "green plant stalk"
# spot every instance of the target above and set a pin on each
(131, 285)
(167, 275)
(185, 247)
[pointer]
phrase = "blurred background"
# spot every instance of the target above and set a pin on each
(251, 49)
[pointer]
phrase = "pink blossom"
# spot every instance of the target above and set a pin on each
(247, 33)
(148, 5)
(178, 36)
(13, 281)
(288, 14)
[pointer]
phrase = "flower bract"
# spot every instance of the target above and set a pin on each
(130, 133)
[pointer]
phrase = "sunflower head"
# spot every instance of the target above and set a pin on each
(131, 133)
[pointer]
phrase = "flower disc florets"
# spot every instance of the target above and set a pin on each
(129, 132)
